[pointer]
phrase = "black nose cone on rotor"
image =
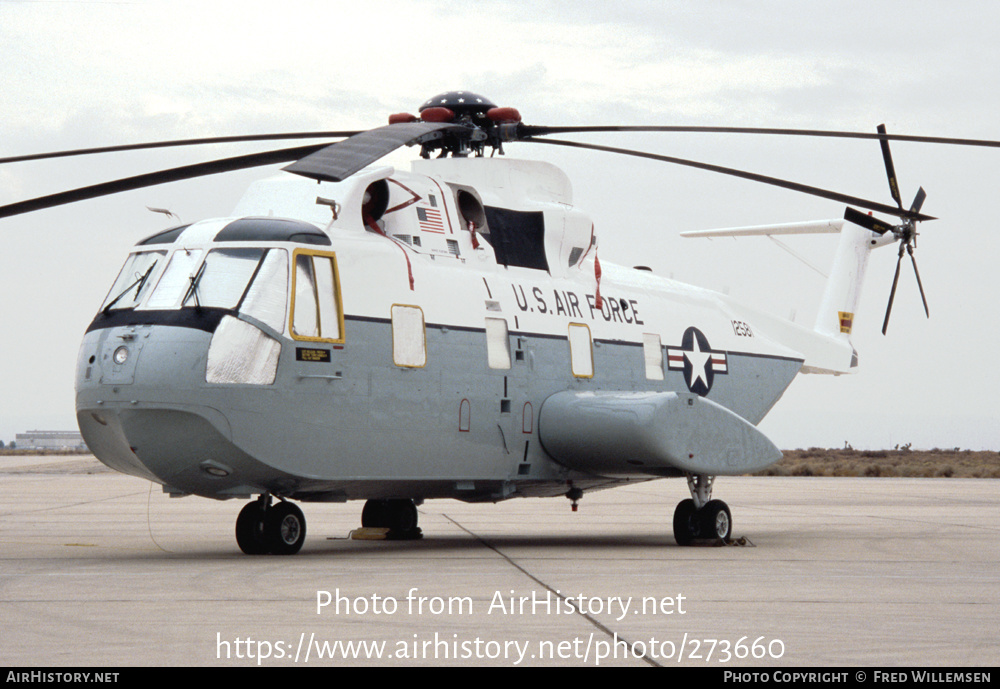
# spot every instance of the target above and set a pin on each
(460, 102)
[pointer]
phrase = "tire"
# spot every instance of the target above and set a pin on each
(250, 530)
(716, 520)
(686, 523)
(375, 514)
(284, 529)
(402, 515)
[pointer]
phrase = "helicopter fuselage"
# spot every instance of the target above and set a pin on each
(449, 333)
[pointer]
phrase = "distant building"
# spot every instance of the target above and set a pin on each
(50, 440)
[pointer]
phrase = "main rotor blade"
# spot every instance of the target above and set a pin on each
(537, 130)
(890, 169)
(918, 200)
(867, 221)
(161, 177)
(774, 181)
(338, 161)
(892, 293)
(178, 142)
(920, 284)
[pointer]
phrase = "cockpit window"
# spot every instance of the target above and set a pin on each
(176, 280)
(135, 280)
(222, 280)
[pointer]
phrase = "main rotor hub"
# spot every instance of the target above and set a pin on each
(465, 105)
(483, 124)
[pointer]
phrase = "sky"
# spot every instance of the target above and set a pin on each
(84, 74)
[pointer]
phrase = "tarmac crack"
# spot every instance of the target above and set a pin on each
(590, 618)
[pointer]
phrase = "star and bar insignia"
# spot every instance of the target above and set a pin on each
(699, 362)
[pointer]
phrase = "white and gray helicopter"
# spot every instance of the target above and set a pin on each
(356, 332)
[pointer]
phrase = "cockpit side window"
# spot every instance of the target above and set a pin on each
(317, 313)
(268, 293)
(136, 279)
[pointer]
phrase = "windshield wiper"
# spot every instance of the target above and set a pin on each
(193, 289)
(138, 284)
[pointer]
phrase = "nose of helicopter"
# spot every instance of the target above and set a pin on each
(143, 408)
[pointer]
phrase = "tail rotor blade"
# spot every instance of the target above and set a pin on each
(892, 293)
(890, 169)
(919, 283)
(918, 200)
(866, 221)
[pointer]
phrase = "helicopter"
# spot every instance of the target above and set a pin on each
(356, 332)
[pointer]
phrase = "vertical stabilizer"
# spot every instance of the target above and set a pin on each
(835, 317)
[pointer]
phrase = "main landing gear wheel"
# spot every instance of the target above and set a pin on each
(262, 528)
(686, 523)
(399, 515)
(716, 520)
(712, 520)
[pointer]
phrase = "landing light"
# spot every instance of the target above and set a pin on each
(215, 469)
(121, 355)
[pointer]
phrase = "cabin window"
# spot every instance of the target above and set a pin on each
(517, 237)
(653, 354)
(136, 279)
(409, 341)
(581, 351)
(497, 343)
(464, 416)
(316, 305)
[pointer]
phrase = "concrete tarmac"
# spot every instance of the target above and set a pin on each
(103, 570)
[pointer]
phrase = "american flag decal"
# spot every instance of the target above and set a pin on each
(429, 220)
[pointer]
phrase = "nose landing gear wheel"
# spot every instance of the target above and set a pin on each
(285, 529)
(250, 529)
(262, 528)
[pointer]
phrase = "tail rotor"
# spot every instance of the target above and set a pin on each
(905, 233)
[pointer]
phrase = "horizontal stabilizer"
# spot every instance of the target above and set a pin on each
(650, 433)
(812, 227)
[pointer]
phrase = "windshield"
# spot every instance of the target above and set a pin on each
(135, 279)
(251, 280)
(223, 278)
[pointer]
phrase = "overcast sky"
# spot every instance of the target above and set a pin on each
(82, 74)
